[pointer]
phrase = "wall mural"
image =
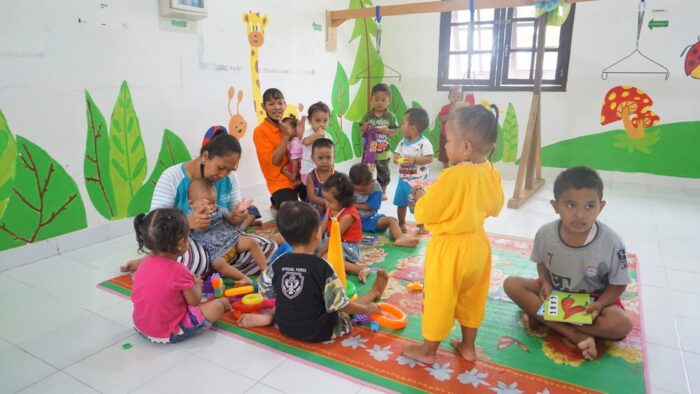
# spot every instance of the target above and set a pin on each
(255, 31)
(115, 163)
(643, 145)
(237, 126)
(38, 199)
(692, 60)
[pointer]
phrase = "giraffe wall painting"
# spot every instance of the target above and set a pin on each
(255, 31)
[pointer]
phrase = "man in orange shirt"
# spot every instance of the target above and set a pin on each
(271, 138)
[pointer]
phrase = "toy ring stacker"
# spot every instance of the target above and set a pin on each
(391, 317)
(252, 299)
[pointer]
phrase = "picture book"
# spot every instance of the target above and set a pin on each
(567, 307)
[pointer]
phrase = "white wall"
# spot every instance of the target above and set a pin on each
(178, 80)
(604, 31)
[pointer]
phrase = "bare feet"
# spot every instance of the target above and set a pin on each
(422, 230)
(225, 303)
(468, 352)
(250, 320)
(419, 352)
(588, 349)
(409, 242)
(130, 266)
(403, 228)
(380, 283)
(533, 324)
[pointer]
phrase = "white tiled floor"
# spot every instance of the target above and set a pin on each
(61, 334)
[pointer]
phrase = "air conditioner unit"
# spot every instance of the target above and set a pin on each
(191, 10)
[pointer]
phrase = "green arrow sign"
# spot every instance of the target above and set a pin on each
(653, 24)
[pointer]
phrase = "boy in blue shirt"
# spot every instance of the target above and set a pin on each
(368, 200)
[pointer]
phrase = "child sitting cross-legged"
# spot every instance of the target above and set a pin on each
(221, 240)
(166, 295)
(577, 254)
(368, 200)
(311, 304)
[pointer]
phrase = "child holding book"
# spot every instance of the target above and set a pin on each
(381, 118)
(578, 254)
(458, 257)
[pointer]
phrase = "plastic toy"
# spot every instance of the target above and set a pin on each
(374, 326)
(252, 299)
(368, 240)
(217, 285)
(350, 290)
(391, 317)
(360, 319)
(415, 286)
(335, 252)
(239, 291)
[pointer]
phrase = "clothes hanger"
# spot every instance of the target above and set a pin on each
(364, 74)
(618, 68)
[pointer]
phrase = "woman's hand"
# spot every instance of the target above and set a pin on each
(201, 215)
(300, 126)
(287, 132)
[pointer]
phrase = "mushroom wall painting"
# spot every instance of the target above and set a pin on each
(633, 107)
(692, 60)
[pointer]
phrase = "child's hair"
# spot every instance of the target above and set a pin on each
(381, 87)
(342, 188)
(318, 107)
(200, 184)
(272, 94)
(322, 143)
(291, 120)
(297, 221)
(222, 144)
(578, 178)
(160, 230)
(360, 174)
(477, 124)
(456, 88)
(417, 117)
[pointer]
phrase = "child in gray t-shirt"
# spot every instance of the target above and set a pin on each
(578, 254)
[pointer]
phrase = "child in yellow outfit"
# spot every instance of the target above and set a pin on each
(458, 257)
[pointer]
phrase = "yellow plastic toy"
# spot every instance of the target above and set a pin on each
(238, 291)
(415, 286)
(252, 299)
(335, 252)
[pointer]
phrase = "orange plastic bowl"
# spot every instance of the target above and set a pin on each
(391, 317)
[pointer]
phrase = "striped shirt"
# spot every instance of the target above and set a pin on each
(172, 190)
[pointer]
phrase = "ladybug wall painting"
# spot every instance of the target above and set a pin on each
(692, 60)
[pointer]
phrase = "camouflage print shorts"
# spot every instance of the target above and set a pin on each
(343, 327)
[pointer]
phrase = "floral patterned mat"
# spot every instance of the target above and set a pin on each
(513, 359)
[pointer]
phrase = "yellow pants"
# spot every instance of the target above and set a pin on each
(457, 276)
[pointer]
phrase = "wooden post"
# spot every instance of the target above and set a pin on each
(529, 178)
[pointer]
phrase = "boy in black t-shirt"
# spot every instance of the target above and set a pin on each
(311, 302)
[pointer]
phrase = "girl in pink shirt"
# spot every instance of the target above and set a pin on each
(166, 295)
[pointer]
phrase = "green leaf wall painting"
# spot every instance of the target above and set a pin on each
(8, 154)
(44, 200)
(127, 154)
(115, 162)
(172, 151)
(367, 62)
